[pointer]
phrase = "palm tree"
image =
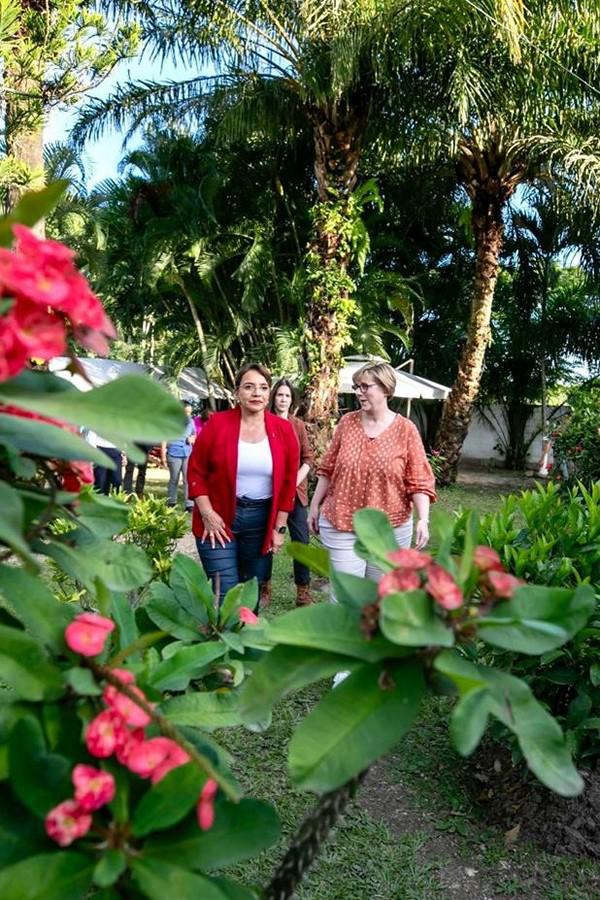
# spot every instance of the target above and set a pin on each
(513, 118)
(335, 70)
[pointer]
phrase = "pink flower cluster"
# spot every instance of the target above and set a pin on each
(417, 570)
(118, 730)
(72, 819)
(49, 296)
(246, 616)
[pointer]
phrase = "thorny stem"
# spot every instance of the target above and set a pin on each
(165, 727)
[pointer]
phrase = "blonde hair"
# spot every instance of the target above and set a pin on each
(382, 373)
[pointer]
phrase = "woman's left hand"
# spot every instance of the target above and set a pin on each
(277, 541)
(422, 534)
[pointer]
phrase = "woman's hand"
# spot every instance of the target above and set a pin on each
(422, 534)
(313, 518)
(277, 541)
(214, 529)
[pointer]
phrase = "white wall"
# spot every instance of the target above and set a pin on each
(479, 445)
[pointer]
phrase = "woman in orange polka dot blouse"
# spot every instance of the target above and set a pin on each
(376, 458)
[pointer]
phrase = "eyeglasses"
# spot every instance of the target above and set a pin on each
(363, 387)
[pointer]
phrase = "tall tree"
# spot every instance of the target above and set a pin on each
(514, 117)
(57, 50)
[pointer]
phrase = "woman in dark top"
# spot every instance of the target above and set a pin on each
(283, 399)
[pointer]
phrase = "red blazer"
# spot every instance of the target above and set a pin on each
(212, 468)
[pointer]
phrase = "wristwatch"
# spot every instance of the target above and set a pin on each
(281, 530)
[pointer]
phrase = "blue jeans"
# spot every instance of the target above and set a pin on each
(298, 528)
(105, 479)
(178, 466)
(240, 559)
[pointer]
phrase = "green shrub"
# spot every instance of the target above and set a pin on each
(552, 536)
(156, 528)
(577, 440)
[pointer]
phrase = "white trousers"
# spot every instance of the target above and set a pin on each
(340, 545)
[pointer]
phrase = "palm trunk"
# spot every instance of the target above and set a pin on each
(337, 137)
(202, 343)
(458, 408)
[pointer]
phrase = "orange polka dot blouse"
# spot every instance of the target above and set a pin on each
(383, 472)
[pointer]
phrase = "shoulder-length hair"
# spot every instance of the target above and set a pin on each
(283, 382)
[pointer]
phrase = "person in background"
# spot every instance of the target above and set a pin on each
(140, 481)
(175, 456)
(376, 458)
(242, 479)
(201, 419)
(283, 399)
(106, 479)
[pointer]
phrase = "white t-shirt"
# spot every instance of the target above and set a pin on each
(255, 470)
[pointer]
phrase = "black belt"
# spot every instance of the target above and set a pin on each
(249, 501)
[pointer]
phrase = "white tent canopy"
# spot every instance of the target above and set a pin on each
(409, 386)
(191, 383)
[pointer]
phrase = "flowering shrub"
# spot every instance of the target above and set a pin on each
(551, 536)
(577, 441)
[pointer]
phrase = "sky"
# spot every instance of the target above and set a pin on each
(102, 156)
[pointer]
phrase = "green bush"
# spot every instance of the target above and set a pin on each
(156, 528)
(552, 536)
(577, 440)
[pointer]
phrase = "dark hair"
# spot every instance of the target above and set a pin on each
(283, 382)
(252, 367)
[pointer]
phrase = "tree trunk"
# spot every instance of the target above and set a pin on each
(337, 138)
(487, 227)
(202, 343)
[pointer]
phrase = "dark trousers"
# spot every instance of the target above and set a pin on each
(240, 559)
(140, 481)
(298, 528)
(105, 479)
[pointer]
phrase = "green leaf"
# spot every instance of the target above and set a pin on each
(192, 589)
(119, 567)
(233, 640)
(409, 619)
(109, 867)
(21, 834)
(241, 830)
(50, 876)
(330, 626)
(595, 674)
(373, 530)
(29, 600)
(124, 615)
(204, 710)
(175, 673)
(283, 670)
(469, 720)
(511, 702)
(12, 521)
(49, 441)
(39, 779)
(130, 409)
(316, 558)
(168, 801)
(102, 516)
(168, 614)
(355, 723)
(82, 681)
(352, 591)
(25, 667)
(31, 209)
(160, 880)
(538, 619)
(243, 594)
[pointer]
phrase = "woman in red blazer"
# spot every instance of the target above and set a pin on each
(242, 479)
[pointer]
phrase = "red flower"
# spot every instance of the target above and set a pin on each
(485, 559)
(176, 757)
(131, 740)
(408, 558)
(205, 809)
(247, 616)
(503, 584)
(87, 633)
(399, 580)
(151, 755)
(105, 734)
(67, 822)
(93, 787)
(129, 711)
(443, 588)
